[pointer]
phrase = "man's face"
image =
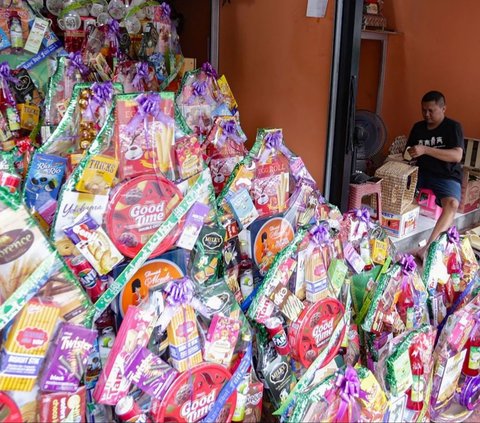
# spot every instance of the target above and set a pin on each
(433, 113)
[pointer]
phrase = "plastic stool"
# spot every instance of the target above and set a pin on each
(358, 191)
(426, 200)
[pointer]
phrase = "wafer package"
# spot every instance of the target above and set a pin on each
(24, 351)
(144, 134)
(149, 372)
(67, 359)
(135, 331)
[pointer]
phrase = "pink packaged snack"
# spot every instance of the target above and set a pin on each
(221, 339)
(149, 372)
(66, 361)
(134, 332)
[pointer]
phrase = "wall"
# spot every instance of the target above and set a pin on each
(437, 48)
(277, 62)
(195, 31)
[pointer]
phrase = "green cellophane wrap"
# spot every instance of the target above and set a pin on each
(173, 56)
(433, 257)
(51, 98)
(63, 140)
(246, 163)
(38, 271)
(181, 126)
(315, 397)
(391, 368)
(377, 296)
(101, 143)
(359, 286)
(39, 73)
(271, 275)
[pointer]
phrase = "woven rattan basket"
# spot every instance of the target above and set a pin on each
(399, 181)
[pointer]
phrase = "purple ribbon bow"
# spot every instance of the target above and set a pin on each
(6, 77)
(166, 10)
(274, 142)
(348, 385)
(113, 33)
(76, 64)
(179, 292)
(363, 215)
(229, 131)
(141, 76)
(101, 93)
(148, 105)
(453, 235)
(408, 264)
(320, 234)
(209, 70)
(199, 88)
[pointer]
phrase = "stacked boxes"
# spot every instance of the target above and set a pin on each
(399, 180)
(471, 176)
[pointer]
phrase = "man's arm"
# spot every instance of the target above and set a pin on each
(452, 155)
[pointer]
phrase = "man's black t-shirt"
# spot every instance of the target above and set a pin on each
(448, 134)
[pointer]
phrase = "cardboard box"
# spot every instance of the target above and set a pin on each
(470, 191)
(398, 225)
(471, 153)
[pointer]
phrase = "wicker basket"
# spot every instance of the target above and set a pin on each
(399, 181)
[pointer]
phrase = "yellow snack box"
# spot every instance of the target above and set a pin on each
(27, 342)
(29, 116)
(98, 175)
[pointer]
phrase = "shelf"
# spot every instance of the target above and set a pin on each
(382, 36)
(372, 34)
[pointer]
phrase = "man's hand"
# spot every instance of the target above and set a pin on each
(417, 151)
(451, 155)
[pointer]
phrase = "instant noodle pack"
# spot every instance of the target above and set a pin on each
(155, 269)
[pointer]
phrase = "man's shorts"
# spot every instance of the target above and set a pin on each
(441, 187)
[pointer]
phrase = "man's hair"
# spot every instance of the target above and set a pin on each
(435, 96)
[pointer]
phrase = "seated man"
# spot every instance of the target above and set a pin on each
(436, 143)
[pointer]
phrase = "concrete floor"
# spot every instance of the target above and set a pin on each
(410, 242)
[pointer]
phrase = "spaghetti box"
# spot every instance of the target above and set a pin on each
(398, 225)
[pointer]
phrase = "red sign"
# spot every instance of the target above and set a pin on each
(32, 338)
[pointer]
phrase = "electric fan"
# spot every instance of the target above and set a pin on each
(369, 137)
